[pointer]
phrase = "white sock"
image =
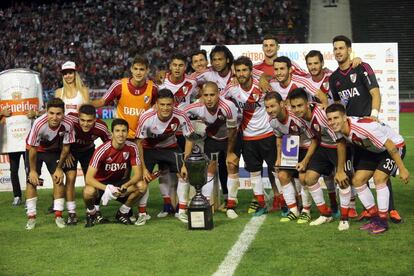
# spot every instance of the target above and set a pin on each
(257, 184)
(290, 197)
(124, 209)
(59, 204)
(345, 197)
(317, 194)
(71, 206)
(31, 206)
(207, 189)
(182, 191)
(366, 196)
(233, 185)
(144, 199)
(383, 197)
(164, 184)
(306, 198)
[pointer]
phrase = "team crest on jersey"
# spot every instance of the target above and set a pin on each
(325, 85)
(256, 97)
(185, 90)
(174, 127)
(353, 77)
(221, 117)
(294, 128)
(317, 127)
(126, 155)
(146, 99)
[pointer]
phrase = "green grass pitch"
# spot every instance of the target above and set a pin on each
(166, 247)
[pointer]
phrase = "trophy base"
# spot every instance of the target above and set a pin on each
(200, 217)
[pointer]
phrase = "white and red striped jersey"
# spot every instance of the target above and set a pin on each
(372, 135)
(255, 121)
(297, 81)
(160, 134)
(323, 85)
(211, 75)
(293, 125)
(47, 139)
(183, 91)
(319, 125)
(85, 140)
(113, 164)
(217, 123)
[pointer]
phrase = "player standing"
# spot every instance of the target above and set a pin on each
(49, 142)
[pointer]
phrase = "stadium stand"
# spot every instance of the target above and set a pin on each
(388, 21)
(101, 36)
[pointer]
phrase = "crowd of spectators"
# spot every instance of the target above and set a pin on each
(101, 36)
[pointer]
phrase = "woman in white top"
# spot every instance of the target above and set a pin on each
(73, 93)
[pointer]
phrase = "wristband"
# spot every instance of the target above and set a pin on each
(374, 113)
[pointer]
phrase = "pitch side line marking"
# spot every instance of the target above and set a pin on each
(234, 256)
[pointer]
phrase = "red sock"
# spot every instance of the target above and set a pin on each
(383, 215)
(260, 200)
(324, 210)
(373, 211)
(182, 206)
(167, 200)
(231, 203)
(58, 214)
(31, 216)
(344, 213)
(142, 209)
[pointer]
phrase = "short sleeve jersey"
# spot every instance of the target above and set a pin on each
(352, 87)
(183, 91)
(113, 164)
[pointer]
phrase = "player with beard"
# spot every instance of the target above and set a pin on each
(220, 117)
(284, 122)
(258, 141)
(108, 175)
(379, 151)
(358, 90)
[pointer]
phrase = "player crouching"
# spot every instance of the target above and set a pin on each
(108, 175)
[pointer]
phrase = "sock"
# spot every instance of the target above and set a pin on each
(91, 212)
(366, 196)
(257, 184)
(164, 184)
(383, 197)
(290, 198)
(124, 209)
(306, 199)
(71, 206)
(182, 193)
(317, 195)
(345, 198)
(207, 189)
(167, 200)
(142, 203)
(58, 204)
(31, 207)
(232, 186)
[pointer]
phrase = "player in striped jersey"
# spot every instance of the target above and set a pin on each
(284, 81)
(87, 129)
(220, 117)
(49, 142)
(284, 122)
(157, 144)
(330, 154)
(378, 153)
(258, 141)
(108, 175)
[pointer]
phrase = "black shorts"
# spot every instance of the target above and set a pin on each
(83, 158)
(215, 146)
(165, 158)
(51, 159)
(371, 161)
(257, 151)
(323, 161)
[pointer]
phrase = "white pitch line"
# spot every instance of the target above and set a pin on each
(234, 256)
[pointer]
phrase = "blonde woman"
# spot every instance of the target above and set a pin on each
(73, 93)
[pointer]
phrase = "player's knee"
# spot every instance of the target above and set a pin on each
(284, 177)
(380, 179)
(88, 192)
(142, 187)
